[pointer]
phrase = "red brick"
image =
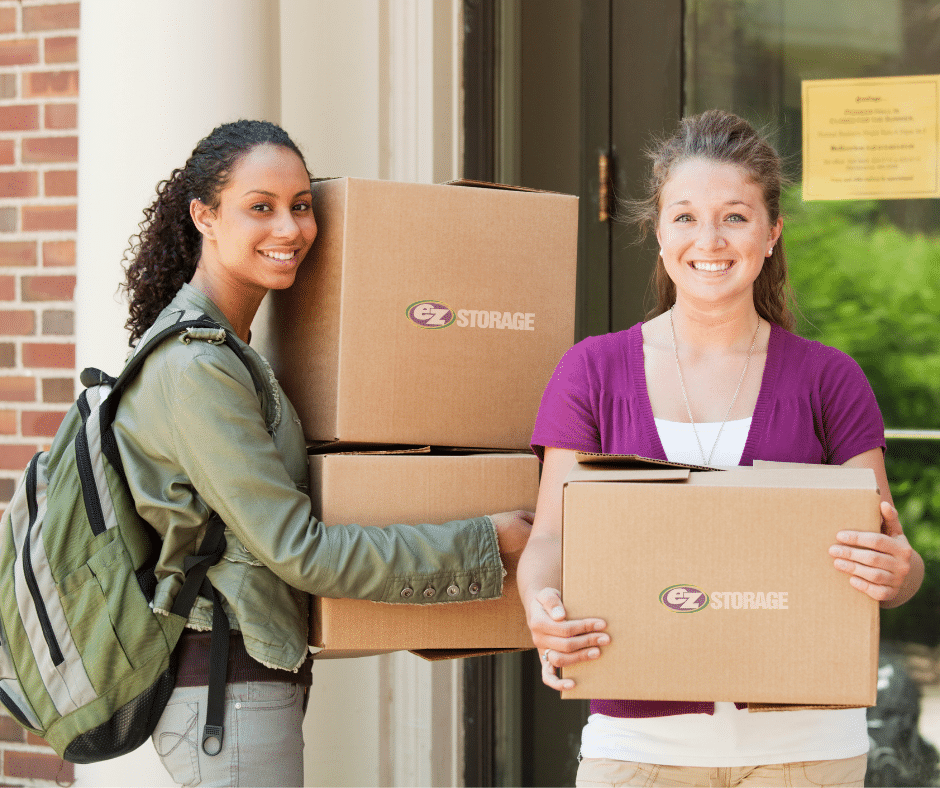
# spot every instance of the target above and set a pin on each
(50, 84)
(7, 488)
(19, 184)
(7, 152)
(17, 253)
(19, 117)
(58, 322)
(57, 390)
(7, 427)
(48, 150)
(38, 765)
(52, 355)
(56, 16)
(17, 388)
(9, 730)
(62, 116)
(61, 183)
(17, 322)
(15, 457)
(7, 288)
(48, 288)
(49, 217)
(58, 253)
(41, 423)
(7, 20)
(19, 51)
(61, 49)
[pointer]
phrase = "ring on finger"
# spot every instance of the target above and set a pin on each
(545, 655)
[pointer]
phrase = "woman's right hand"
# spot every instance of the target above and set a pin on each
(561, 642)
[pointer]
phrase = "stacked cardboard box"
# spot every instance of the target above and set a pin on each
(425, 315)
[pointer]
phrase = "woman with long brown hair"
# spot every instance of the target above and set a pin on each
(714, 376)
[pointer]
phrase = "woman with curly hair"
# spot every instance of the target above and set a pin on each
(198, 440)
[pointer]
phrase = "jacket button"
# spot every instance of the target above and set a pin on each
(453, 589)
(474, 588)
(407, 591)
(429, 592)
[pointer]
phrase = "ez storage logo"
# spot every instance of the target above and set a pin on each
(689, 599)
(436, 314)
(430, 314)
(684, 599)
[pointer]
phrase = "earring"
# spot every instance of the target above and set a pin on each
(770, 251)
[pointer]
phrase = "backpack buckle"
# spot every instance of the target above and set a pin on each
(212, 737)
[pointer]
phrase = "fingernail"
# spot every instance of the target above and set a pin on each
(594, 653)
(603, 640)
(600, 625)
(842, 536)
(836, 552)
(846, 565)
(558, 612)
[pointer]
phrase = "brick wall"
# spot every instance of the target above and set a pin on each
(38, 208)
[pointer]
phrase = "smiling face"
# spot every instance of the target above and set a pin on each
(263, 226)
(714, 231)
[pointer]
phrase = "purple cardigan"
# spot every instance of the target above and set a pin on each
(815, 406)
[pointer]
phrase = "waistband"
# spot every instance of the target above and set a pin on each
(193, 663)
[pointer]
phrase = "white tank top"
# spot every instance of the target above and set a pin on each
(730, 736)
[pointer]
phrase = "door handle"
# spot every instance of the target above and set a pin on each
(603, 187)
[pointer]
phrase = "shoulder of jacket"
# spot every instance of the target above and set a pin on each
(190, 351)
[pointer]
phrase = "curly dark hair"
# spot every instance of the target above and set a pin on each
(720, 136)
(163, 254)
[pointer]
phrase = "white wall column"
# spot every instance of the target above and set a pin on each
(423, 738)
(372, 88)
(156, 77)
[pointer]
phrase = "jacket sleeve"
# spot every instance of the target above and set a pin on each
(217, 437)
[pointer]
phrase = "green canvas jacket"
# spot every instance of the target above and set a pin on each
(195, 438)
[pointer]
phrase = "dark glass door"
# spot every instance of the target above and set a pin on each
(575, 92)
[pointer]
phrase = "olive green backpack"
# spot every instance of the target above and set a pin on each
(85, 662)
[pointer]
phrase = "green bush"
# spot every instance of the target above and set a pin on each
(873, 290)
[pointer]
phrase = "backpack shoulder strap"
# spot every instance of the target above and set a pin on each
(189, 325)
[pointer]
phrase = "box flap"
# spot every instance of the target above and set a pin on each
(759, 707)
(438, 654)
(634, 461)
(601, 473)
(832, 477)
(488, 185)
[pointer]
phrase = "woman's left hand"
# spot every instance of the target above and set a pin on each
(878, 563)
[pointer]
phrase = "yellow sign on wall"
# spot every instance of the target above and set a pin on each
(871, 138)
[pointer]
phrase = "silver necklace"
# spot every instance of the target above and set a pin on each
(685, 396)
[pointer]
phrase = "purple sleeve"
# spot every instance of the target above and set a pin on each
(851, 419)
(566, 417)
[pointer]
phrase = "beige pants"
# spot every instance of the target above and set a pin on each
(843, 772)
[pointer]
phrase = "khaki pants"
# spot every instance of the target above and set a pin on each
(843, 772)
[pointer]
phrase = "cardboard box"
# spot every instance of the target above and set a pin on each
(379, 489)
(426, 314)
(718, 585)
